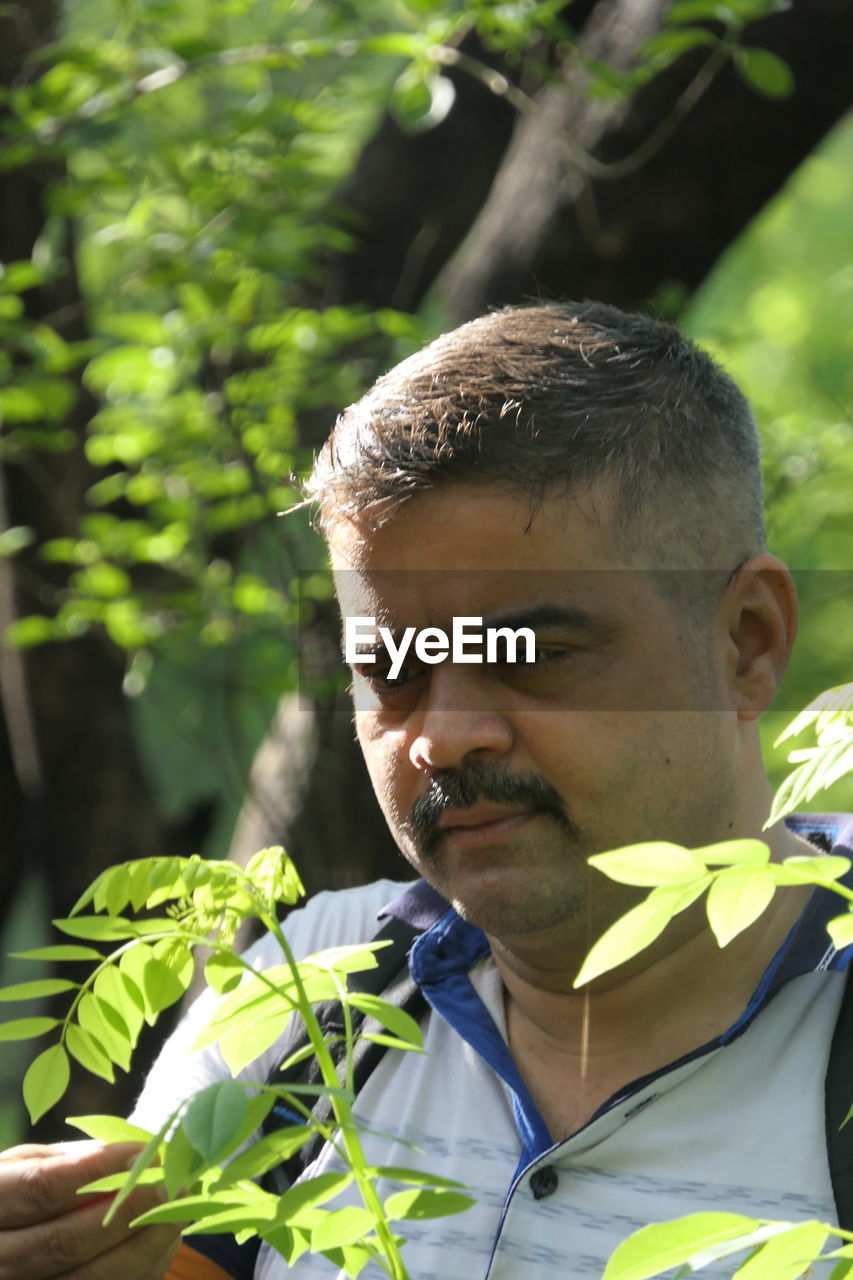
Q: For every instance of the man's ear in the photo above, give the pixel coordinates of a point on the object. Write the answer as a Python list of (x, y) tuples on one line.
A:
[(761, 617)]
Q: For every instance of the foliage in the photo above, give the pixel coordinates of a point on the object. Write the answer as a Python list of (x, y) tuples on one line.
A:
[(776, 312), (195, 170), (827, 762), (199, 1150)]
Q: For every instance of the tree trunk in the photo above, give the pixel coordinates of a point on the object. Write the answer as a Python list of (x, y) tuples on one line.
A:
[(74, 794)]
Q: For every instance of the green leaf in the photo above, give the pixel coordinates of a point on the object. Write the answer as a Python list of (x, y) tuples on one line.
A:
[(670, 1244), (825, 766), (737, 898), (26, 1028), (165, 881), (391, 1042), (242, 1043), (786, 1256), (83, 1046), (116, 988), (223, 973), (46, 1081), (231, 1220), (422, 1202), (311, 1192), (246, 1202), (343, 1226), (344, 960), (60, 952), (107, 1027), (813, 870), (638, 928), (415, 1177), (98, 928), (213, 1117), (162, 987), (273, 872), (648, 865), (266, 1153), (109, 1129), (765, 71), (36, 990), (735, 853), (837, 701), (840, 930), (148, 1177), (182, 1164), (140, 1171), (390, 1015)]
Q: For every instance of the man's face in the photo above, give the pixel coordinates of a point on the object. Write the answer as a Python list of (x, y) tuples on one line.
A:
[(499, 780)]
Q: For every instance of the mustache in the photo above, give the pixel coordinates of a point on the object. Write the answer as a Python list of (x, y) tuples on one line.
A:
[(482, 783)]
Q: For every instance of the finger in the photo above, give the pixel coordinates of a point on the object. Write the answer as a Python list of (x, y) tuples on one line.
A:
[(73, 1242), (147, 1255), (40, 1183)]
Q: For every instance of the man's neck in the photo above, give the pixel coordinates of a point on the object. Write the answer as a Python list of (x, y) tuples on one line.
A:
[(576, 1048)]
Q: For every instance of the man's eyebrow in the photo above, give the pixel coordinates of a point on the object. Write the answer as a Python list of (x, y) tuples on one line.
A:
[(540, 616)]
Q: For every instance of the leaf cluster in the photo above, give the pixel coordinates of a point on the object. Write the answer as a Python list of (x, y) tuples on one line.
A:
[(203, 1155)]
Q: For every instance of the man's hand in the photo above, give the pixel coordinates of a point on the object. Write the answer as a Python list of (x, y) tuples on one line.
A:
[(47, 1230)]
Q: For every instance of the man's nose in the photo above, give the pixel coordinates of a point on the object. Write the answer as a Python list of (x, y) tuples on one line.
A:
[(458, 722)]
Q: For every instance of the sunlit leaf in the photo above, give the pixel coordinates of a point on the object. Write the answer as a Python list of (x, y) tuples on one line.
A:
[(638, 928), (270, 1150), (26, 1028), (737, 898), (786, 1256), (223, 973), (343, 1226), (648, 865), (735, 853), (390, 1015), (59, 952), (98, 928), (109, 1129), (36, 990), (840, 930), (311, 1192), (663, 1245), (46, 1081), (83, 1046), (424, 1202)]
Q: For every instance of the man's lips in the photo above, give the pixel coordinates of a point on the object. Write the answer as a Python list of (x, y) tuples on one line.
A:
[(481, 825), (478, 815)]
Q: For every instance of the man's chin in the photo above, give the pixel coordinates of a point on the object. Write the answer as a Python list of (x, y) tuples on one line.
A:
[(505, 906)]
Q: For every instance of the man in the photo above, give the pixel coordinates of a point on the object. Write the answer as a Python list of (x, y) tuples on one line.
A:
[(592, 478)]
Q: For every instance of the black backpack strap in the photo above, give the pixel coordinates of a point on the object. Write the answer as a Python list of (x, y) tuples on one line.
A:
[(392, 981), (839, 1099)]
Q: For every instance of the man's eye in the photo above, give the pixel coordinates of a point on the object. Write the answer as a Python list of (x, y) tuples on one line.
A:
[(547, 653), (378, 675), (542, 654)]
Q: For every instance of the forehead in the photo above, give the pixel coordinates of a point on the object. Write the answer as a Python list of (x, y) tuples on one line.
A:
[(463, 550), (467, 527)]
